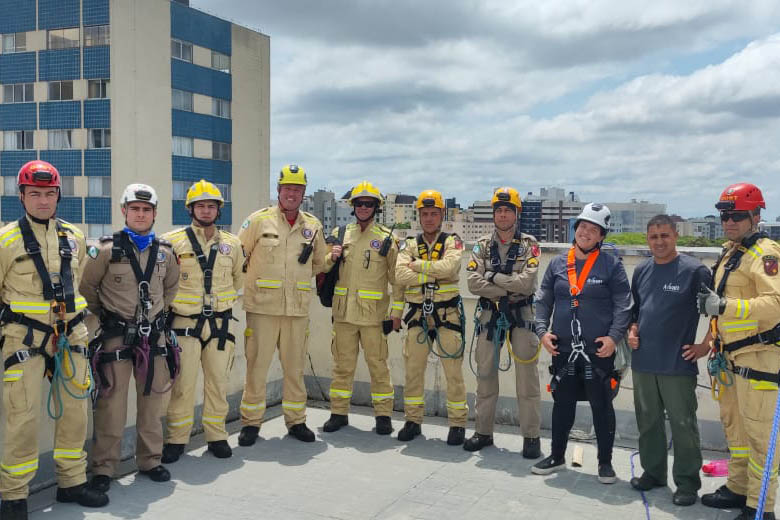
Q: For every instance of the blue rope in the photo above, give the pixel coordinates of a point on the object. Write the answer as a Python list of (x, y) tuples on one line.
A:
[(58, 379), (770, 455), (644, 498)]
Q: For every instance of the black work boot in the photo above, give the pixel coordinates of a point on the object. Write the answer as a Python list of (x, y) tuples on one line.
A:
[(335, 423), (410, 430), (172, 452), (723, 498), (83, 494), (157, 473), (302, 432), (748, 513), (13, 509), (220, 449), (100, 483), (478, 441), (383, 425), (646, 482), (532, 448), (248, 435), (456, 436)]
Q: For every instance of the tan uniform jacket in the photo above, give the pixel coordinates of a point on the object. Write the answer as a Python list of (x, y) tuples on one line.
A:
[(752, 294), (361, 295), (413, 272), (21, 287), (227, 278), (276, 283), (113, 287)]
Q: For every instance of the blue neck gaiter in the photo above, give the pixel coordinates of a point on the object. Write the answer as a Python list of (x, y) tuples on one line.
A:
[(140, 241)]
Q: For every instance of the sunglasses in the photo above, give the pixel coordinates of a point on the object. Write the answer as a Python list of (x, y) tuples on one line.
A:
[(364, 204), (735, 216)]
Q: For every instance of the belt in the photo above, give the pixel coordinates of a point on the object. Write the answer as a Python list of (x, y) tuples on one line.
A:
[(222, 333), (768, 337), (437, 320), (8, 316), (749, 373)]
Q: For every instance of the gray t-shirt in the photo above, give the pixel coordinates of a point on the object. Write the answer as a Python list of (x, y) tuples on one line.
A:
[(665, 308)]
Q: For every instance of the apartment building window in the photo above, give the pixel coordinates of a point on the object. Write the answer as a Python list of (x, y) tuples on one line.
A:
[(14, 42), (220, 107), (9, 186), (182, 146), (19, 140), (181, 50), (98, 88), (99, 138), (99, 230), (97, 35), (60, 90), (220, 61), (63, 38), (67, 186), (181, 100), (60, 140), (99, 187), (224, 189), (180, 190), (220, 151), (18, 93)]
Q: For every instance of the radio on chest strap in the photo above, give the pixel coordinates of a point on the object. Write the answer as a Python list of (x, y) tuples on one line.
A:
[(515, 250)]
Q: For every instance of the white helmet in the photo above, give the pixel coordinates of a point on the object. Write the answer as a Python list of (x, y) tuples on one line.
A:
[(596, 214), (139, 193)]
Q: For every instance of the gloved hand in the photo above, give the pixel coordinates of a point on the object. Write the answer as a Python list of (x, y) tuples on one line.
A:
[(709, 303)]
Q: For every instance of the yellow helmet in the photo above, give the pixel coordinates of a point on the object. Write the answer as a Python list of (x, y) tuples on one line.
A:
[(430, 199), (366, 189), (203, 190), (292, 174), (507, 195)]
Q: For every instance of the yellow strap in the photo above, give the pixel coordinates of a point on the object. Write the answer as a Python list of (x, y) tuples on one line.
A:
[(31, 307)]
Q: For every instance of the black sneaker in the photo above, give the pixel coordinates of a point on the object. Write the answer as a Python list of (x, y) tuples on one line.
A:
[(478, 441), (723, 498), (171, 453), (83, 494), (410, 430), (220, 449), (383, 425), (684, 498), (157, 473), (607, 474), (100, 483), (748, 513), (248, 435), (646, 482), (456, 436), (548, 465), (532, 448), (302, 432), (335, 423), (13, 509)]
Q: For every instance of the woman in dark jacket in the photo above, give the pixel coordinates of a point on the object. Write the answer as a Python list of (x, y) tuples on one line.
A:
[(588, 296)]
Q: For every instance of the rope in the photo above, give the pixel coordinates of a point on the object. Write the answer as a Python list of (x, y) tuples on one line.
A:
[(770, 455), (502, 327), (720, 375), (644, 498), (64, 374), (524, 361)]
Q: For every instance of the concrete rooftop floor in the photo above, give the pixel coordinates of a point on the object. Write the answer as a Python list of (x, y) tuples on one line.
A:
[(356, 474)]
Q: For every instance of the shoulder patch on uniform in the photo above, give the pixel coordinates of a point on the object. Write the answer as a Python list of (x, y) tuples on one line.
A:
[(532, 262), (225, 249), (472, 266), (536, 250), (770, 265), (92, 251), (245, 224), (476, 249), (457, 240), (161, 257)]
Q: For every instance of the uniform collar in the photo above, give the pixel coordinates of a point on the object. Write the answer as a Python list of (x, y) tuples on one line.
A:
[(200, 234)]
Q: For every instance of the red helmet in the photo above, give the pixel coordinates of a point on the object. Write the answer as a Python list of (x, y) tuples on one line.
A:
[(742, 196), (40, 174)]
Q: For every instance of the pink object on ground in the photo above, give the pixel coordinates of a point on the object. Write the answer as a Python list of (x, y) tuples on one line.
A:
[(716, 468)]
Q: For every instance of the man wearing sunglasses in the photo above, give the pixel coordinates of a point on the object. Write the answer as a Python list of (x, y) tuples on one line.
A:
[(361, 302), (743, 306)]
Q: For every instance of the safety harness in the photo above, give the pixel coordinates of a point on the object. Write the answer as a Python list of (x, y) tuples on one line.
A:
[(58, 289), (576, 284), (717, 364), (207, 313), (140, 336)]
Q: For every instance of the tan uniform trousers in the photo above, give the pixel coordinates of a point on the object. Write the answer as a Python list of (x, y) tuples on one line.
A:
[(747, 414), (416, 356), (21, 423), (347, 339), (525, 346), (288, 334), (111, 414), (216, 365)]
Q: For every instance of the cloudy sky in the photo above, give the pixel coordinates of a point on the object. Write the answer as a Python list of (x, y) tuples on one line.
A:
[(666, 101)]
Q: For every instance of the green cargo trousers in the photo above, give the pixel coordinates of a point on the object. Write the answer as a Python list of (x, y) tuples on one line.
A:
[(654, 394)]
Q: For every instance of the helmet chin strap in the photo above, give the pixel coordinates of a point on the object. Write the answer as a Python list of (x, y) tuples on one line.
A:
[(589, 251), (202, 223)]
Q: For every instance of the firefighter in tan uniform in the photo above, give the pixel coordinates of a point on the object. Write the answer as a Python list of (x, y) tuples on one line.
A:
[(744, 305), (361, 302), (129, 282), (211, 264), (428, 266), (502, 272), (42, 318), (285, 249)]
